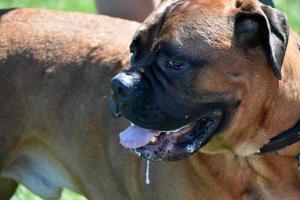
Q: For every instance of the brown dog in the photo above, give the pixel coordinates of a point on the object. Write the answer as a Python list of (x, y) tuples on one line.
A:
[(221, 73), (56, 130)]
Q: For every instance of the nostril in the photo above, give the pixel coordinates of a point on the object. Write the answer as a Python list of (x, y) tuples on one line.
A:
[(123, 90), (122, 85)]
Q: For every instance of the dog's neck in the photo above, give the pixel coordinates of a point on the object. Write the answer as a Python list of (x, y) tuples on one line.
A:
[(285, 139), (284, 110)]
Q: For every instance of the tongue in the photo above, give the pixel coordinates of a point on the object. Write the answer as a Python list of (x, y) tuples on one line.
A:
[(134, 137)]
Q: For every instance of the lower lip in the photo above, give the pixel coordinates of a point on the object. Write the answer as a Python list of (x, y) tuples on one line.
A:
[(169, 151)]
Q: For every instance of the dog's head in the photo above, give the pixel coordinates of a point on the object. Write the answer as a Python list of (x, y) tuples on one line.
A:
[(201, 70)]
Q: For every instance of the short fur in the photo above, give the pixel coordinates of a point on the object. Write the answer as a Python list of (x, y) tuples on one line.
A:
[(56, 130)]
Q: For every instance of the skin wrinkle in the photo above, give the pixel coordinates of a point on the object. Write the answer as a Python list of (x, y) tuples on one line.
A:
[(193, 31)]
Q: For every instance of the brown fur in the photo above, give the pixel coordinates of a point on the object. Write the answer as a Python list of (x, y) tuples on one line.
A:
[(54, 83)]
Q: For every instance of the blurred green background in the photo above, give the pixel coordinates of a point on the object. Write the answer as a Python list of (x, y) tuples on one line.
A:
[(290, 7), (67, 5)]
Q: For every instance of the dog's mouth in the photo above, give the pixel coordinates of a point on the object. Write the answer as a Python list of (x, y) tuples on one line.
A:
[(171, 145)]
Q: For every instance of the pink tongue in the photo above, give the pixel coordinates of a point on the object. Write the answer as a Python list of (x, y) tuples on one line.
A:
[(134, 137)]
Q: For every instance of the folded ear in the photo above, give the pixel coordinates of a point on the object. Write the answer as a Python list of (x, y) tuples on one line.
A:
[(260, 24), (267, 2)]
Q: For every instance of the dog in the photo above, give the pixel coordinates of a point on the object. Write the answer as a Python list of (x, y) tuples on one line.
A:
[(222, 78), (57, 132)]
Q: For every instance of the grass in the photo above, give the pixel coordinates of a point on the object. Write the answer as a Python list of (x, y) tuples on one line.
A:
[(23, 194), (291, 7), (87, 6), (288, 6)]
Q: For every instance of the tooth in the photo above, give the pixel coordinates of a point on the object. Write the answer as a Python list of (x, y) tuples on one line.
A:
[(153, 139), (138, 153), (190, 148)]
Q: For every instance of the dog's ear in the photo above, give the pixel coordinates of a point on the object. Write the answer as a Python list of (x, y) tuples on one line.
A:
[(267, 2), (260, 24), (145, 36)]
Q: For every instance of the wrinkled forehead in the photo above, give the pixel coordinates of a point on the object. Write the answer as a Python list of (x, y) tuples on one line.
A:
[(188, 26), (198, 27)]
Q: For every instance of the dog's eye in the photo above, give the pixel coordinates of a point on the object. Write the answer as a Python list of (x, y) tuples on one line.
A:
[(175, 64)]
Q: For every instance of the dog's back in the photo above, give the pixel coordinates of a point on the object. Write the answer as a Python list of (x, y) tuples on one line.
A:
[(55, 70)]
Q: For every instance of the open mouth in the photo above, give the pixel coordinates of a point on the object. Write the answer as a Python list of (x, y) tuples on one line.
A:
[(172, 145)]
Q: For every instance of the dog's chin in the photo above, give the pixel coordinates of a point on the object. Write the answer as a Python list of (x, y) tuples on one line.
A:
[(176, 144)]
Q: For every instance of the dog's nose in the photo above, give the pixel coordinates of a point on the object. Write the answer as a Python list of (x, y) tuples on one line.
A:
[(124, 84)]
